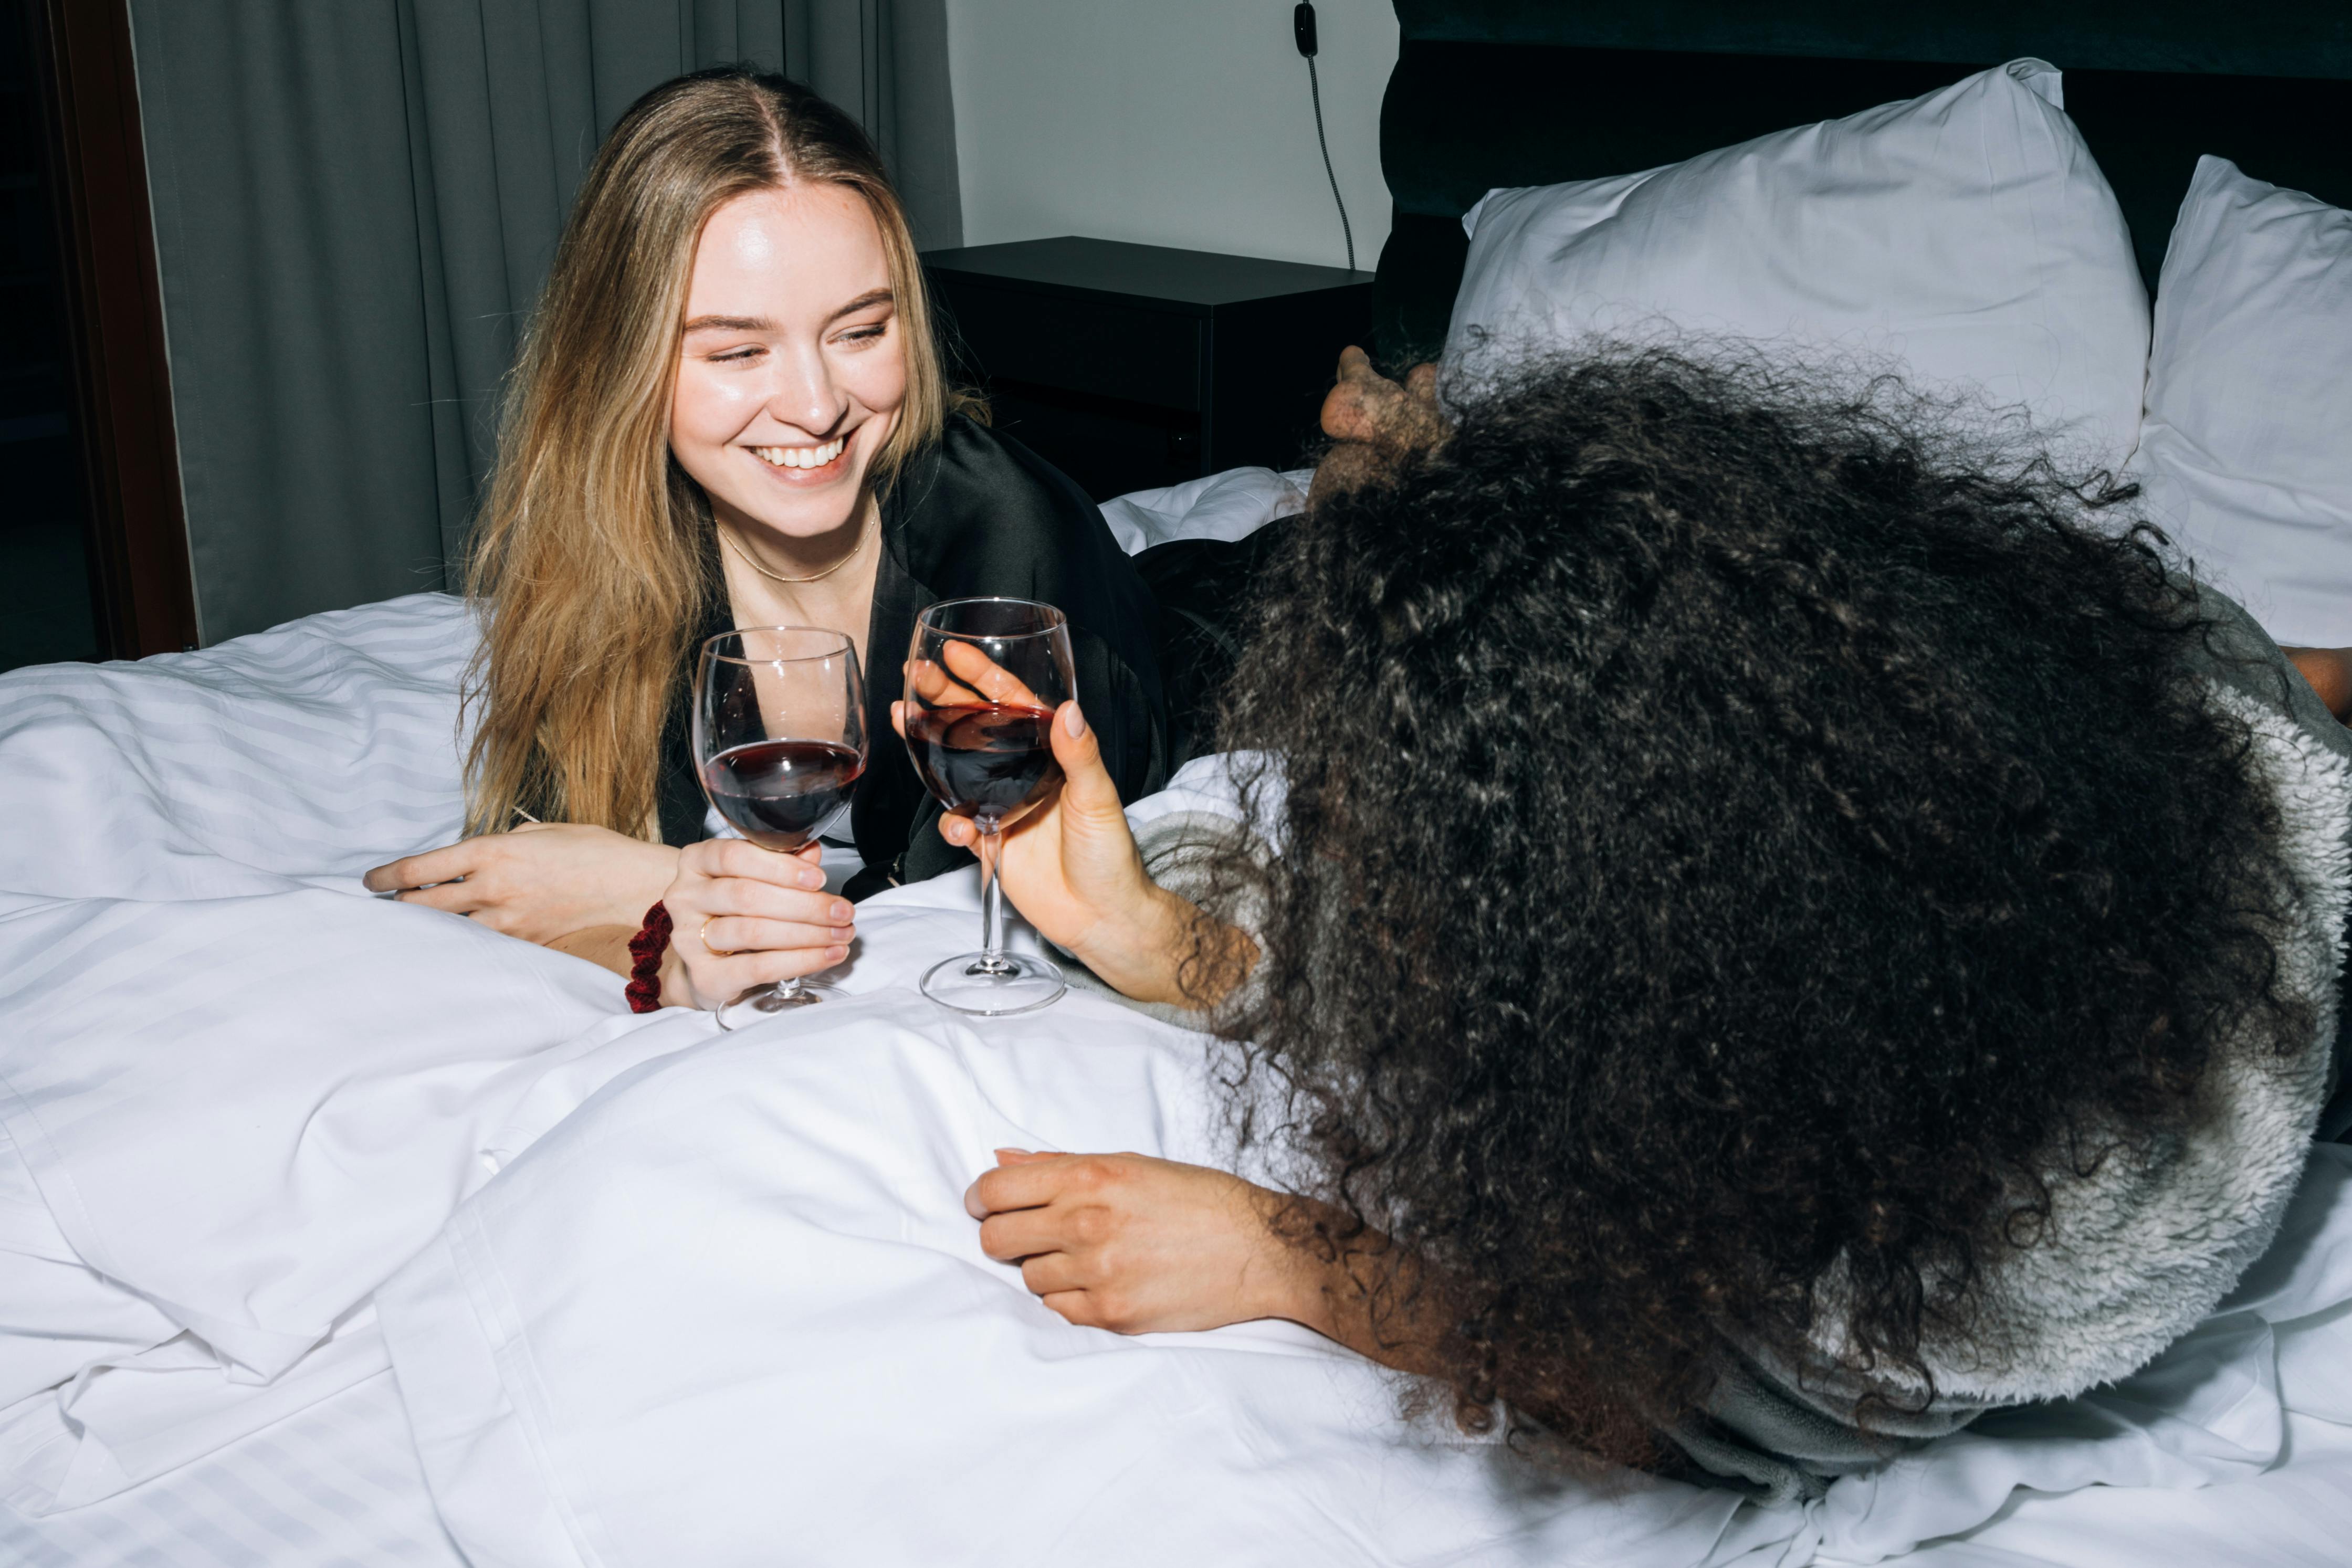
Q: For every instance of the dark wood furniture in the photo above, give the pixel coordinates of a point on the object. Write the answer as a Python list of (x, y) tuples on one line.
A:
[(1130, 366), (141, 589)]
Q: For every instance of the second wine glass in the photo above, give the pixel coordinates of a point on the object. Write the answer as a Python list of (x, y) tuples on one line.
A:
[(984, 679), (780, 743)]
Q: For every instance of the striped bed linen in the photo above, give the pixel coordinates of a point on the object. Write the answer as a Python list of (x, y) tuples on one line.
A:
[(335, 1486), (328, 744), (338, 1485)]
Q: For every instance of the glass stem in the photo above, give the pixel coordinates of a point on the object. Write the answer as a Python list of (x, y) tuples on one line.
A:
[(991, 904), (789, 987)]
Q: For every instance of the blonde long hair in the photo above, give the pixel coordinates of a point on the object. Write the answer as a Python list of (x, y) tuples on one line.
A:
[(589, 559)]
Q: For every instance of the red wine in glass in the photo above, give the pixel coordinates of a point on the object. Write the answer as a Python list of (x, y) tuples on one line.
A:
[(777, 793), (984, 678), (779, 742), (987, 761)]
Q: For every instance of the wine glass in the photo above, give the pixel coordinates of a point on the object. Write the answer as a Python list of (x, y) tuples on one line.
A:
[(779, 744), (984, 679)]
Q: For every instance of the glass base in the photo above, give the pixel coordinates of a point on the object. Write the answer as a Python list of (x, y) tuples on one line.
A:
[(1014, 983), (766, 1001)]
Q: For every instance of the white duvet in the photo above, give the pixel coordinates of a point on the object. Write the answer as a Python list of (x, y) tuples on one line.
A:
[(659, 1295)]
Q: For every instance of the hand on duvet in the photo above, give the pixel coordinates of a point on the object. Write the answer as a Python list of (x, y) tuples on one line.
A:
[(541, 881), (1139, 1245)]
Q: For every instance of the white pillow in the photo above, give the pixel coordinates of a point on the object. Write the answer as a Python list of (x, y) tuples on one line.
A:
[(1966, 236), (2246, 451), (1227, 506)]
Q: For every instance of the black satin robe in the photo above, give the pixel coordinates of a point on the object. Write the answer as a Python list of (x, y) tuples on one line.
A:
[(978, 515)]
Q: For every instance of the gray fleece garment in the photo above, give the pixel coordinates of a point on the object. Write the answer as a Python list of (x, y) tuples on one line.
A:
[(2142, 1249)]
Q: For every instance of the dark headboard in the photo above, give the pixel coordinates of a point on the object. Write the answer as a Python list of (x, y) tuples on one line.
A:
[(1531, 92)]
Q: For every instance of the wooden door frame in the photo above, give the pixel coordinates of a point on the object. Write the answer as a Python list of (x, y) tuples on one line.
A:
[(143, 595)]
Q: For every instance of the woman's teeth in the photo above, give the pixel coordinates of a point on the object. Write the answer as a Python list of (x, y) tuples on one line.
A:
[(801, 456)]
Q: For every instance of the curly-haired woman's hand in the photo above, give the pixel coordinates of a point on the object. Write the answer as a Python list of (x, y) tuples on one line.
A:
[(1139, 1245), (1070, 866)]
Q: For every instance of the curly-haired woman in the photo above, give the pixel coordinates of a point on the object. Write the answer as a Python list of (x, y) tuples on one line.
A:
[(730, 411), (1784, 937)]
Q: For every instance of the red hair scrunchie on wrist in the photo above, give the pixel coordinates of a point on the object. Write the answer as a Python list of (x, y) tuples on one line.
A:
[(645, 950)]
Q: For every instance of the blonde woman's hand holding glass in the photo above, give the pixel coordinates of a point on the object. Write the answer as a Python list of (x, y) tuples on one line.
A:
[(584, 890), (742, 917)]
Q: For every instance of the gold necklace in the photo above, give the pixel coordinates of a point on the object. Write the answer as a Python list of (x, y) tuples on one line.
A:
[(744, 555)]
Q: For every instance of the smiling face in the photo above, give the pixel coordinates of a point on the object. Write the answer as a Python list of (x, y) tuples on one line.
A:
[(793, 370)]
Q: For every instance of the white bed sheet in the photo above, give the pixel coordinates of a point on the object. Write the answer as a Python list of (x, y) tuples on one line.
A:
[(216, 1045), (338, 1485), (333, 1486), (736, 1295), (187, 802)]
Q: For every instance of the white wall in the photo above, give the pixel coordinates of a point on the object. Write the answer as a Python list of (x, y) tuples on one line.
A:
[(1177, 122)]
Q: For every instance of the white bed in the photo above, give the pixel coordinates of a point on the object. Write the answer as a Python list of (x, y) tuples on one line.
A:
[(333, 1486), (338, 1485), (379, 1238), (136, 787)]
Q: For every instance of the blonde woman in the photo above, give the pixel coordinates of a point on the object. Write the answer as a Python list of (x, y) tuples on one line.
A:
[(730, 411)]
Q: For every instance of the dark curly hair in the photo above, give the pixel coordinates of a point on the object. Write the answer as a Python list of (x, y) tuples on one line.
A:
[(1732, 827)]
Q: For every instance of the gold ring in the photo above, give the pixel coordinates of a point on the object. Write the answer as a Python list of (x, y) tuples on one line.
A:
[(702, 935)]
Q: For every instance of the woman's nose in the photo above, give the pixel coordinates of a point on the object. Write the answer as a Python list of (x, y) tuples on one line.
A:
[(804, 393)]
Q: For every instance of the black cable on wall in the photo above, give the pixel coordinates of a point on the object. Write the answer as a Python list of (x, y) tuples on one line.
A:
[(1302, 29)]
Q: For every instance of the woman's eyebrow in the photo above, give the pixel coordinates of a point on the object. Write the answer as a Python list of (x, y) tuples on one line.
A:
[(866, 300)]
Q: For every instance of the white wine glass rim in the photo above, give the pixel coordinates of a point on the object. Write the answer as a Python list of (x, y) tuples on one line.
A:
[(1050, 619), (838, 643)]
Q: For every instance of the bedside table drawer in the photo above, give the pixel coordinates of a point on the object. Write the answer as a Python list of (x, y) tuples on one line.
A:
[(1083, 345)]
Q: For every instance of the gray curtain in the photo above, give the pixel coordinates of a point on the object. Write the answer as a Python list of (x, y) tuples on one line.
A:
[(355, 204)]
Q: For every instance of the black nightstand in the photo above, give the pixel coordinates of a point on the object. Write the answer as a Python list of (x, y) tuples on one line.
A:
[(1130, 366)]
